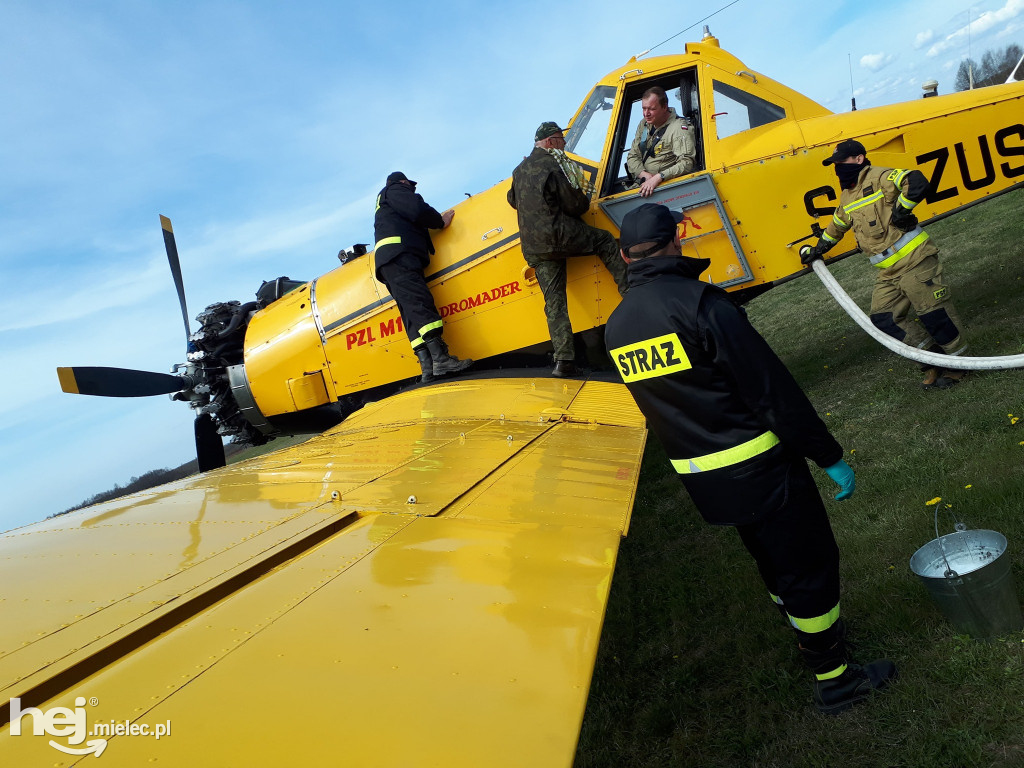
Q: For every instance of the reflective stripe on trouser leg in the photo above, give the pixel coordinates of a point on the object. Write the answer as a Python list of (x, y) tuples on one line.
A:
[(798, 559), (404, 278), (429, 328)]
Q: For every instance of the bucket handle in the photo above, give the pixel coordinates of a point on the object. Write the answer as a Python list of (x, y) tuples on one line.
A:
[(959, 526)]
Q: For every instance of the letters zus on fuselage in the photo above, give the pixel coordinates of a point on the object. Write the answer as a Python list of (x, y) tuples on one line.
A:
[(1008, 144), (361, 336)]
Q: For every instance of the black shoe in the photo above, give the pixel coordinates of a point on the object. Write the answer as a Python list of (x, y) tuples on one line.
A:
[(444, 363), (564, 369), (426, 364), (855, 685), (948, 379)]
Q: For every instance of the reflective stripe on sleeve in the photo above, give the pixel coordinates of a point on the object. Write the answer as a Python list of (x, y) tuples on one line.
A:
[(902, 247), (728, 457), (897, 176), (906, 202), (387, 241)]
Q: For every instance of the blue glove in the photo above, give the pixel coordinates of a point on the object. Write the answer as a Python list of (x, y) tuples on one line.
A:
[(842, 475)]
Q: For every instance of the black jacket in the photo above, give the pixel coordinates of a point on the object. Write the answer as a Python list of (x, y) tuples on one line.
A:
[(708, 382), (403, 214)]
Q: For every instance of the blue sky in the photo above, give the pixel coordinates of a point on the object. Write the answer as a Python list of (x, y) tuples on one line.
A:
[(264, 130)]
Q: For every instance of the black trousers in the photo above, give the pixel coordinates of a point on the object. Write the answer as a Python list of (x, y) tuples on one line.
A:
[(798, 558), (404, 278)]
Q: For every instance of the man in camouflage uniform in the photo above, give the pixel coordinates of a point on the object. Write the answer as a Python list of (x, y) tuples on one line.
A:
[(663, 147), (549, 193), (877, 203)]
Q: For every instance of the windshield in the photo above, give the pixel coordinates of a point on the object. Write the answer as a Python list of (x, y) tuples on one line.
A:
[(586, 136)]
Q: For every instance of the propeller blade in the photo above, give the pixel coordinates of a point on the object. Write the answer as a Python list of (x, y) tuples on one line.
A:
[(209, 446), (119, 382), (172, 258)]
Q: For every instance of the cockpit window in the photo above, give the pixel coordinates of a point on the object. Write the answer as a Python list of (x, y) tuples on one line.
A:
[(586, 136), (737, 111)]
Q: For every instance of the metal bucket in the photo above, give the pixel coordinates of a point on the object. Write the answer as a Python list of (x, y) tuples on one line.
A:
[(968, 575)]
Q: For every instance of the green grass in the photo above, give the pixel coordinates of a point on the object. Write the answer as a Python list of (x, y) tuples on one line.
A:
[(696, 667)]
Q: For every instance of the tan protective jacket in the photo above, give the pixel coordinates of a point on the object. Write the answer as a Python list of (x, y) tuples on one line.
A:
[(867, 209), (673, 155)]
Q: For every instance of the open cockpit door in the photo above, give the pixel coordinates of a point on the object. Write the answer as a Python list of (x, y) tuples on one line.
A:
[(705, 232)]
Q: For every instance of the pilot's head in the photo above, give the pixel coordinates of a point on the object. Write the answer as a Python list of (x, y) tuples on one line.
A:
[(654, 103), (649, 230), (549, 136)]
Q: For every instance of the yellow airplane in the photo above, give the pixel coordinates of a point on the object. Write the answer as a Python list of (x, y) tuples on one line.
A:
[(425, 582)]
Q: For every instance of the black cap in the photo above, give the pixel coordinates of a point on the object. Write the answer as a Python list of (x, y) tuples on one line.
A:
[(844, 150), (398, 176), (650, 223), (544, 130)]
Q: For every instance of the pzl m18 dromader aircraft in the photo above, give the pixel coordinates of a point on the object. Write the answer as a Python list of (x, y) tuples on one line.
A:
[(425, 582)]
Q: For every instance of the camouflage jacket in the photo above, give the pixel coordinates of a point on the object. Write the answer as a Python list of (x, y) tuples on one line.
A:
[(672, 155), (549, 207)]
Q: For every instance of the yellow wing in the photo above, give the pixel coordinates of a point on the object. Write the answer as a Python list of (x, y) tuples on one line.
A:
[(423, 585)]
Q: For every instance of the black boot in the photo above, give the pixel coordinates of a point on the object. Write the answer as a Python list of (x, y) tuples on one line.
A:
[(564, 369), (852, 686), (444, 362), (426, 363)]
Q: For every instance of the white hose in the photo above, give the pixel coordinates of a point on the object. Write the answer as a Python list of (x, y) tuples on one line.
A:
[(918, 355)]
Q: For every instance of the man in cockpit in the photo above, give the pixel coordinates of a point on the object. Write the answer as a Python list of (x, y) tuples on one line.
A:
[(663, 148)]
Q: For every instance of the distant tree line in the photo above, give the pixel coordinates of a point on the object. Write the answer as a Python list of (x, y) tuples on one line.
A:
[(994, 68), (150, 479)]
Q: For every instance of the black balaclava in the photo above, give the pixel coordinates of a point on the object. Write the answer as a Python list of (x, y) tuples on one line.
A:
[(848, 173)]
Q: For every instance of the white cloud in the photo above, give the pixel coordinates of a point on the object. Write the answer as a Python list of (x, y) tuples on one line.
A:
[(923, 38), (877, 61), (979, 26)]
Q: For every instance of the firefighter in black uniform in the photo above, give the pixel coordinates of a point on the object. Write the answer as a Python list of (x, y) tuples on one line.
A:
[(738, 430), (401, 253)]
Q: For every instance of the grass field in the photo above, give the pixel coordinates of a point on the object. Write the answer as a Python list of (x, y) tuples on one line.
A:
[(696, 668)]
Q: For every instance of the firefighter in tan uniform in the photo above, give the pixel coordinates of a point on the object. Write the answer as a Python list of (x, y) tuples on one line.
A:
[(877, 203), (663, 147)]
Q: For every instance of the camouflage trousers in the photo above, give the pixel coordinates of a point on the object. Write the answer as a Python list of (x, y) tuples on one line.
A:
[(915, 282), (551, 276)]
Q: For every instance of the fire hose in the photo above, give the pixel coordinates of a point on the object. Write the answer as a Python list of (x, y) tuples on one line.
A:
[(918, 355)]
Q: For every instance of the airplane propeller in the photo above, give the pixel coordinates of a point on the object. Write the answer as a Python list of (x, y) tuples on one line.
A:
[(120, 382), (127, 382)]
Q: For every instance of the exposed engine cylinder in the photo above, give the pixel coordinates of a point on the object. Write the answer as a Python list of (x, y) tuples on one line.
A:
[(215, 347)]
